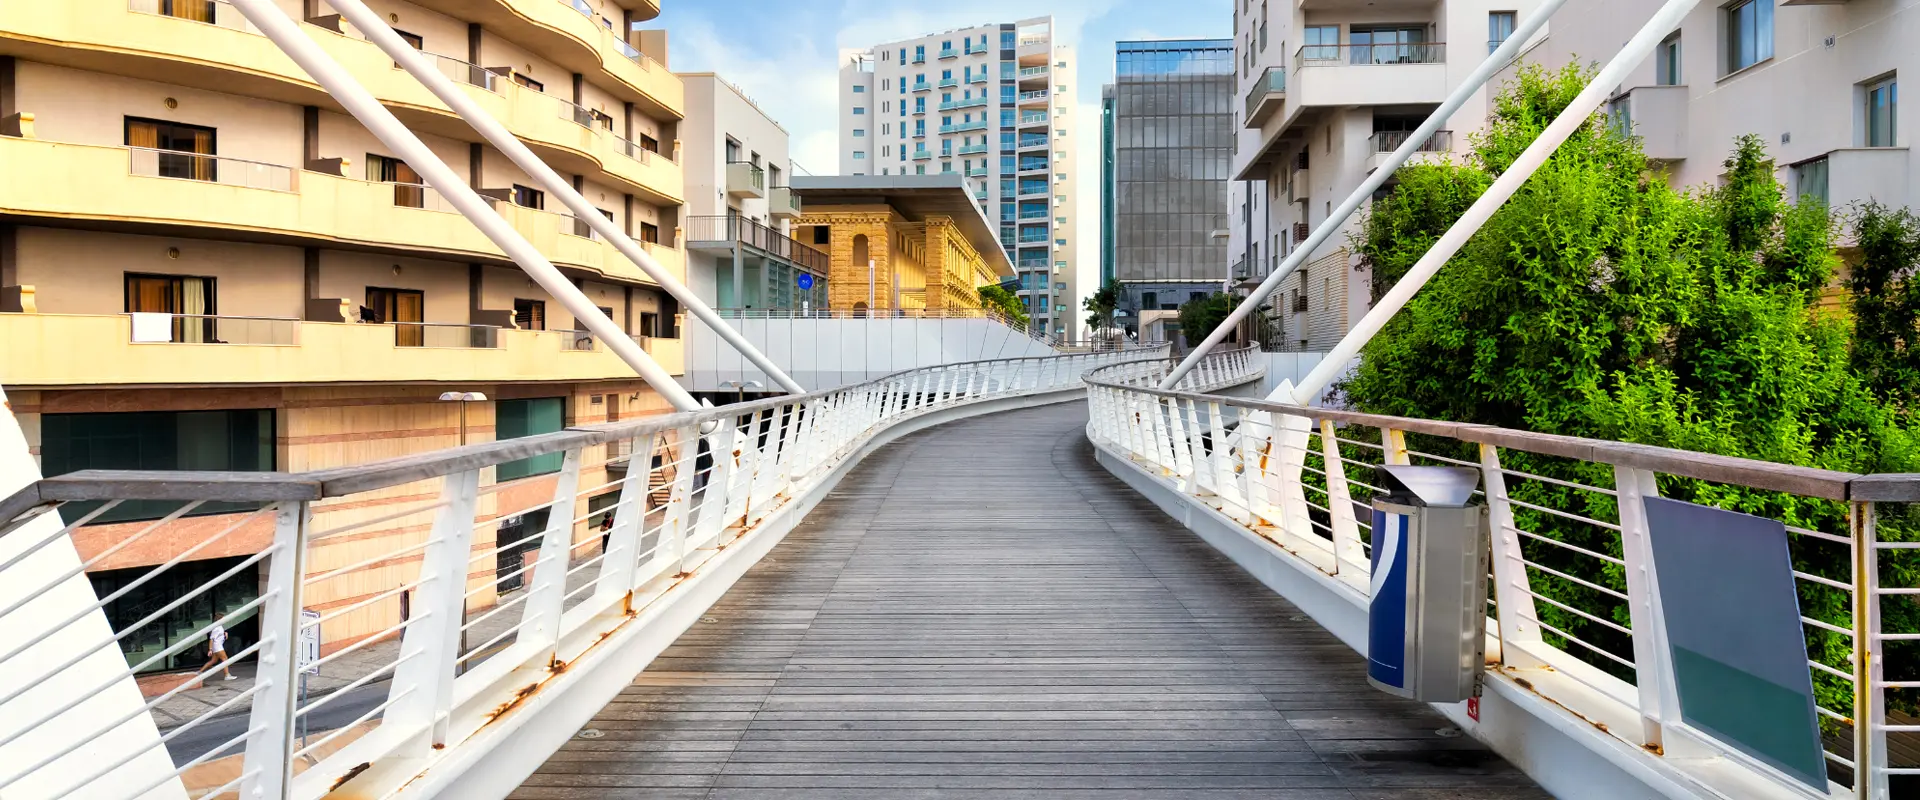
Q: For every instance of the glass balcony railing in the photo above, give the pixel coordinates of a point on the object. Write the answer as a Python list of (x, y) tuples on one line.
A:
[(923, 86), (977, 172), (965, 102), (1271, 85), (922, 155), (1029, 72), (1033, 141), (972, 149), (1314, 55), (949, 53), (1033, 119), (947, 83), (978, 77), (157, 163), (961, 127)]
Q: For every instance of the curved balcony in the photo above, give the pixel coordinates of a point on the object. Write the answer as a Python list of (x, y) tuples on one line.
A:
[(131, 189), (108, 36), (573, 36)]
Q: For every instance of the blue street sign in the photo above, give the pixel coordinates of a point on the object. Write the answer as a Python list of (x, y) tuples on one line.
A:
[(805, 281)]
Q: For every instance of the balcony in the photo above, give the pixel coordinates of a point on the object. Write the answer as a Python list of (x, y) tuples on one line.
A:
[(132, 38), (923, 86), (922, 155), (972, 149), (1367, 75), (1031, 141), (1033, 119), (963, 127), (919, 58), (1039, 214), (1032, 189), (1852, 176), (1382, 144), (948, 83), (1028, 164), (1267, 94), (783, 203), (1032, 72), (1658, 115), (1029, 98), (919, 111), (107, 349), (969, 102), (977, 172), (949, 53), (719, 233), (746, 180), (152, 191), (978, 77)]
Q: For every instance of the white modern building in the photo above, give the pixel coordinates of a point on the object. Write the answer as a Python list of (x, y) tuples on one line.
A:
[(992, 102), (1328, 89), (740, 206), (1817, 81)]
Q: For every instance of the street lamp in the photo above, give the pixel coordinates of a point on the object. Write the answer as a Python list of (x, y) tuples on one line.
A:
[(463, 398)]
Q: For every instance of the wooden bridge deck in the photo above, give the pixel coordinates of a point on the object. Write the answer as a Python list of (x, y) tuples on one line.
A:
[(982, 612)]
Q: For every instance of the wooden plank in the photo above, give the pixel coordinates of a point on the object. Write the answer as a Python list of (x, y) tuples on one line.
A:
[(983, 612)]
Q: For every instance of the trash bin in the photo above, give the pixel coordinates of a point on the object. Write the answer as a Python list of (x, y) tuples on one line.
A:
[(1426, 625)]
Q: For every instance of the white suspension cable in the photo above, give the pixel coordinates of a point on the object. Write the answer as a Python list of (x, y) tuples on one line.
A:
[(415, 62), (285, 33), (1469, 87)]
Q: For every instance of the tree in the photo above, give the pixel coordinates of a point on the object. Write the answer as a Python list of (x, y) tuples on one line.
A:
[(1886, 303), (1599, 302), (1005, 302), (1100, 306), (1200, 315)]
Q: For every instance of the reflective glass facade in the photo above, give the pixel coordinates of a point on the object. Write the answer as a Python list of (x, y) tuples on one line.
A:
[(1172, 142)]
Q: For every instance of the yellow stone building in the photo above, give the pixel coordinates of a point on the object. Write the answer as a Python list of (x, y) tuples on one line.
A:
[(909, 242)]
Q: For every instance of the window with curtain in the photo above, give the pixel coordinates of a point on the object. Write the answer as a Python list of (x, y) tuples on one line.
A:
[(529, 197), (187, 150), (186, 295), (410, 191), (1666, 65), (529, 82), (530, 315), (649, 233), (1499, 29), (1810, 181), (196, 10), (514, 419), (398, 307), (1883, 107), (1749, 33)]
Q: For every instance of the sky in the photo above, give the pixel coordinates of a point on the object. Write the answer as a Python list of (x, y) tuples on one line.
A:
[(786, 56)]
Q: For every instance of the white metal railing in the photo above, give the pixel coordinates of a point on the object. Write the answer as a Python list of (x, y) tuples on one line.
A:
[(903, 313), (1567, 542), (211, 12), (453, 592), (156, 163)]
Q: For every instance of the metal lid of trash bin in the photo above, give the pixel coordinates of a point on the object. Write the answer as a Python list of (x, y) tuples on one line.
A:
[(1428, 486)]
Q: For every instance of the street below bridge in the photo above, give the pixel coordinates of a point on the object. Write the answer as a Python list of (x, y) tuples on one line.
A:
[(981, 611)]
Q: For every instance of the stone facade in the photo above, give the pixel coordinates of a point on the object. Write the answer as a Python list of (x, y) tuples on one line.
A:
[(916, 265)]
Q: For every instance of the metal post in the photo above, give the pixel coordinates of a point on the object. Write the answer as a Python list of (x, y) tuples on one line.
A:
[(422, 687), (1651, 670), (404, 54), (269, 751), (275, 24), (547, 587), (1468, 88), (1869, 693), (1513, 603)]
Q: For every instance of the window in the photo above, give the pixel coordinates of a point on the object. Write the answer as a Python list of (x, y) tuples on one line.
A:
[(1883, 106), (1322, 43), (859, 89), (236, 440), (733, 150), (886, 83), (649, 143), (188, 147), (1389, 44), (649, 233), (1499, 28), (886, 128), (859, 111), (397, 307), (411, 191), (886, 150), (1666, 64), (919, 53), (175, 294), (859, 155), (919, 105), (1749, 33), (529, 197), (859, 133), (514, 419), (529, 83), (530, 315), (919, 169), (886, 106)]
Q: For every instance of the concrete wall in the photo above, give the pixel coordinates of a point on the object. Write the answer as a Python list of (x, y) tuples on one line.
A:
[(825, 353)]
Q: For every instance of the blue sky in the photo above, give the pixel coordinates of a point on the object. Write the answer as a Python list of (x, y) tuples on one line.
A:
[(786, 56)]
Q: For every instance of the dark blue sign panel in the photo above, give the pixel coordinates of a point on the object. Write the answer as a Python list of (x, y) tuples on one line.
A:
[(1387, 611), (805, 281), (1734, 633)]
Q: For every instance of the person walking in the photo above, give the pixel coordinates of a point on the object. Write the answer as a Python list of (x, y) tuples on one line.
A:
[(217, 651)]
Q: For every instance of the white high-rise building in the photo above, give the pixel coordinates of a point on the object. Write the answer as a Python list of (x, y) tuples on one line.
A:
[(995, 103), (1328, 89)]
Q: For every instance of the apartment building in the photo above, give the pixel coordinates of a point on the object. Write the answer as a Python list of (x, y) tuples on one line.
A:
[(207, 265), (741, 206), (1327, 90), (995, 104), (1818, 82), (1171, 138)]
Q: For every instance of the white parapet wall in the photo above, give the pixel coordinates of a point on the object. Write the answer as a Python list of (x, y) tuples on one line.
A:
[(824, 353)]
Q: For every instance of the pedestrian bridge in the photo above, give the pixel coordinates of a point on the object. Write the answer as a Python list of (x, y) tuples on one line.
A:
[(1034, 577)]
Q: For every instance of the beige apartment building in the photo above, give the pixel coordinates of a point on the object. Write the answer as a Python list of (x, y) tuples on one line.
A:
[(206, 264)]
